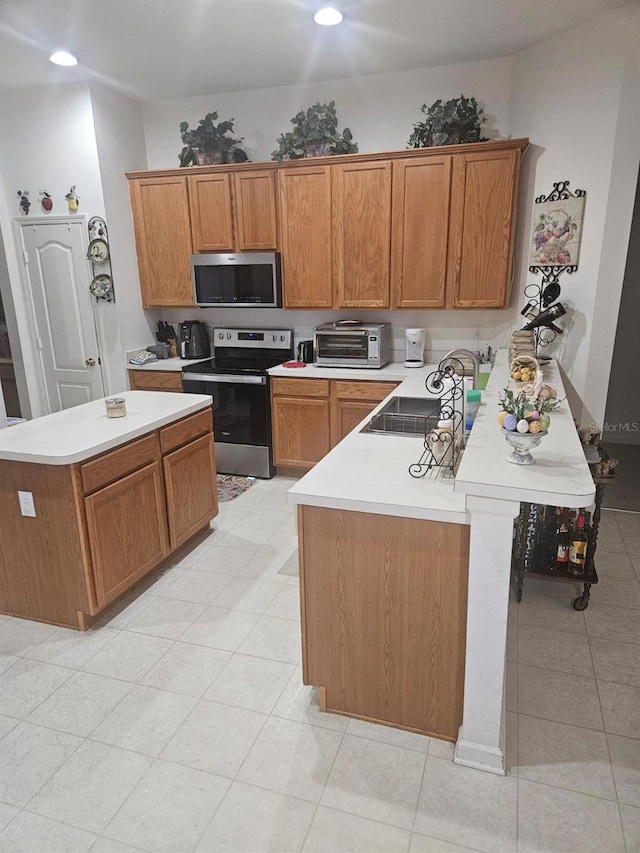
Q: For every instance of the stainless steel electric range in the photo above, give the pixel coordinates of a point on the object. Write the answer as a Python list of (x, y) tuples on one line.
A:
[(236, 377)]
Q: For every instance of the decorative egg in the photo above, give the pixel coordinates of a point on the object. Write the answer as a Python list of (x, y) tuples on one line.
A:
[(545, 422), (535, 427), (510, 422), (523, 425), (501, 418), (534, 415)]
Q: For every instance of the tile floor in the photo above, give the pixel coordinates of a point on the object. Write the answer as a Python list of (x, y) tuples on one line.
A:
[(180, 723)]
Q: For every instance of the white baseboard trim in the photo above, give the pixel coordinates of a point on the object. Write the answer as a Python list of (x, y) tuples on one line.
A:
[(480, 757)]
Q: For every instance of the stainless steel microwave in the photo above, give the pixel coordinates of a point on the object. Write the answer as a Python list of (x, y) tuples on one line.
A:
[(237, 279), (349, 343)]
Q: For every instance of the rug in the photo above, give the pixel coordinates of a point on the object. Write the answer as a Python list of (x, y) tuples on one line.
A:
[(230, 486), (290, 568)]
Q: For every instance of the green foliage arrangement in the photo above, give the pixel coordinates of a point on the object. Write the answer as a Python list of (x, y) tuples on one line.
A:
[(210, 143), (449, 123), (315, 133)]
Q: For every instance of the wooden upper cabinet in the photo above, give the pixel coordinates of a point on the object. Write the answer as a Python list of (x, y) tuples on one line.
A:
[(419, 231), (362, 233), (255, 210), (211, 212), (304, 197), (163, 240), (482, 217)]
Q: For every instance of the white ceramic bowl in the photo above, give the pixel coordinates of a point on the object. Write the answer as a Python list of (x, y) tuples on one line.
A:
[(522, 443)]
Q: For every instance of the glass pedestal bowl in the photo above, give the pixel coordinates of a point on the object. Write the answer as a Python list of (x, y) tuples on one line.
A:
[(522, 443)]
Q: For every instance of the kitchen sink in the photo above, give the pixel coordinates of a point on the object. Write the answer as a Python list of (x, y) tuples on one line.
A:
[(405, 416)]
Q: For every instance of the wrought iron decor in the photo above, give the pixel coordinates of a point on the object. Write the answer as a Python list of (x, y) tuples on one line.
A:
[(443, 445), (554, 230), (99, 256)]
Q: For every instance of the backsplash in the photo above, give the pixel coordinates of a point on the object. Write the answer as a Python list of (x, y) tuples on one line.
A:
[(445, 330)]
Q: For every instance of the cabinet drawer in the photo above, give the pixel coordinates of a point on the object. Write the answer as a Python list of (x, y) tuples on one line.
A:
[(185, 430), (118, 463), (155, 380), (365, 390), (300, 387)]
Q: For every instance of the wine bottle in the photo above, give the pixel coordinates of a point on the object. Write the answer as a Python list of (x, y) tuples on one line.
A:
[(578, 548), (562, 546), (554, 523)]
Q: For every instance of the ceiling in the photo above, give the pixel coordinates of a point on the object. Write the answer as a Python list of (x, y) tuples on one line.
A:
[(156, 49)]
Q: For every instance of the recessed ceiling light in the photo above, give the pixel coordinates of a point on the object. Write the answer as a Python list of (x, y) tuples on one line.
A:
[(61, 57), (327, 16)]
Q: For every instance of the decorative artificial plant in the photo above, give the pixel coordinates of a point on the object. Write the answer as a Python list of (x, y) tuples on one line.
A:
[(449, 123), (210, 143), (315, 134)]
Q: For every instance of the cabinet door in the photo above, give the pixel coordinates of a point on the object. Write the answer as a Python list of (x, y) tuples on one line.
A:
[(419, 232), (127, 528), (190, 483), (211, 217), (352, 401), (163, 240), (255, 209), (300, 431), (481, 229), (362, 233), (304, 196)]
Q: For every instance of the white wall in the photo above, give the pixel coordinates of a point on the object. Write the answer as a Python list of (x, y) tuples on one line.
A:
[(47, 142), (576, 98), (121, 148), (380, 110)]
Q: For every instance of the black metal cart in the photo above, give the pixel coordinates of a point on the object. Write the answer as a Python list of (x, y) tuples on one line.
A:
[(527, 557)]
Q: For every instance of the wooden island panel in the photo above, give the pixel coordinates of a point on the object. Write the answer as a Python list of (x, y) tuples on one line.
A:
[(383, 602)]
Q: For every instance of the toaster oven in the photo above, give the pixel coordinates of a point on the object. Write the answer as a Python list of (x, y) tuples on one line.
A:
[(349, 343)]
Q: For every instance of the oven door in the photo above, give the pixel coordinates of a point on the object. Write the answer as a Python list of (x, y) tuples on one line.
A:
[(343, 348), (241, 421)]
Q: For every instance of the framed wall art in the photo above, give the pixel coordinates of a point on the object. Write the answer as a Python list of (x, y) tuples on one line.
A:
[(557, 227)]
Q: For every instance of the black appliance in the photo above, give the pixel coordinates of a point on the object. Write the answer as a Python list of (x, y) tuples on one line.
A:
[(236, 377), (237, 280), (305, 352), (193, 340)]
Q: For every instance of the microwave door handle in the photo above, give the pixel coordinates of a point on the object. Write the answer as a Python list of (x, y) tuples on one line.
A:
[(223, 377)]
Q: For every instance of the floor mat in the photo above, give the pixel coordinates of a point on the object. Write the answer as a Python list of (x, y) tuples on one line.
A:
[(290, 568), (624, 490), (230, 486)]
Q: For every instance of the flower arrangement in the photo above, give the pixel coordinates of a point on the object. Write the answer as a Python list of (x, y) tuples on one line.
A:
[(529, 410)]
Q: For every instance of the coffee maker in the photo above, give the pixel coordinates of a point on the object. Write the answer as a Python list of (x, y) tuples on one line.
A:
[(414, 342), (193, 340)]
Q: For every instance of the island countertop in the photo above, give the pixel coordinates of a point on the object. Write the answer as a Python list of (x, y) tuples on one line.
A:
[(369, 473), (76, 434)]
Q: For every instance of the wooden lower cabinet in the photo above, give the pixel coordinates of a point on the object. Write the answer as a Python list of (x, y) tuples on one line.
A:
[(104, 523), (188, 475), (127, 527), (311, 416), (383, 602), (155, 380)]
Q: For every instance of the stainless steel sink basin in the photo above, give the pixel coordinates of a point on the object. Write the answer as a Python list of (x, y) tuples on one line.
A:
[(405, 416)]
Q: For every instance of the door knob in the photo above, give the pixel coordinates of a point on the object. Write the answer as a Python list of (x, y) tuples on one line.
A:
[(90, 362)]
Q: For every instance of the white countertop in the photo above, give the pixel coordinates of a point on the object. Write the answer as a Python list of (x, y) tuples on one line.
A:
[(393, 372), (167, 364), (76, 434), (560, 475), (369, 472)]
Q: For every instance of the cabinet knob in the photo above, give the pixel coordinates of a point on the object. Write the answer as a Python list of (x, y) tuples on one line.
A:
[(90, 362)]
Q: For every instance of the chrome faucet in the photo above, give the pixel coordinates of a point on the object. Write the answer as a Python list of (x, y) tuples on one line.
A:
[(456, 353)]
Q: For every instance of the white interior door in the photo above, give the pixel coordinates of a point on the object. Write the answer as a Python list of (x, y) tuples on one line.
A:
[(58, 276)]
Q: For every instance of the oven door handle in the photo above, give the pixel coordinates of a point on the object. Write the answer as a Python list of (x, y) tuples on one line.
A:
[(238, 379)]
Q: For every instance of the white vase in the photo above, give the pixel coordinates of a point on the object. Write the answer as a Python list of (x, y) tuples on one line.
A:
[(522, 443)]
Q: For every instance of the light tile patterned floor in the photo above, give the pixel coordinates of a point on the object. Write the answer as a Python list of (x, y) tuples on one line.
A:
[(180, 723)]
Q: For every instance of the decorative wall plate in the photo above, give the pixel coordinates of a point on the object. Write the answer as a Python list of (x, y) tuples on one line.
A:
[(101, 286), (98, 251)]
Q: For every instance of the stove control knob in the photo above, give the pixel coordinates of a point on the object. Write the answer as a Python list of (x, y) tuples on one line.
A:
[(281, 337), (228, 336), (220, 335), (274, 337)]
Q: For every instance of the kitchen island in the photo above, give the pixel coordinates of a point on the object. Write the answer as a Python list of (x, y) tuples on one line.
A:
[(405, 582), (89, 504)]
